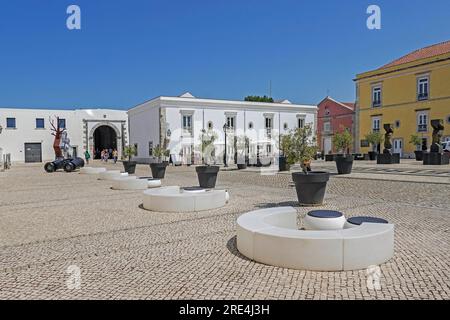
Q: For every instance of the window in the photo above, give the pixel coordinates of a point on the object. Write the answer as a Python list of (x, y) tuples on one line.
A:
[(210, 125), (187, 123), (285, 126), (11, 123), (376, 96), (40, 123), (376, 124), (269, 123), (301, 123), (62, 123), (230, 122), (423, 86), (150, 148), (422, 122), (250, 125), (327, 127)]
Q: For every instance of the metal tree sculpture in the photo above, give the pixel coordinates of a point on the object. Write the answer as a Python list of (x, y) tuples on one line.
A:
[(57, 133)]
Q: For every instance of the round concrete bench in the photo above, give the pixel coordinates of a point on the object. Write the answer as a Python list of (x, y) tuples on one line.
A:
[(354, 222), (271, 236), (111, 175), (173, 199), (91, 170), (134, 183), (324, 220)]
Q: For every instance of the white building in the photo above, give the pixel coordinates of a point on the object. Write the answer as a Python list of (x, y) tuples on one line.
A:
[(182, 120), (26, 133)]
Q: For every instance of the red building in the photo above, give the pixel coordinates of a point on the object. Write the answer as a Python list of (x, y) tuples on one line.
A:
[(333, 116)]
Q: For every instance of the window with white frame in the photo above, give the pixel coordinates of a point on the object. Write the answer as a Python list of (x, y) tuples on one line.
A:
[(187, 123), (231, 122), (376, 124), (422, 122), (376, 96), (423, 87)]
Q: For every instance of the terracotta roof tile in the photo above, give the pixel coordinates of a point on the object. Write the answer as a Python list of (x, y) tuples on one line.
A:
[(427, 52)]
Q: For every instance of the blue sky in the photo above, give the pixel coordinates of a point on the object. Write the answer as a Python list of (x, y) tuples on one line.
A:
[(130, 51)]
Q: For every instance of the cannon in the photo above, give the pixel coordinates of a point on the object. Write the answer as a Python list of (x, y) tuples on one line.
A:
[(73, 164), (55, 165)]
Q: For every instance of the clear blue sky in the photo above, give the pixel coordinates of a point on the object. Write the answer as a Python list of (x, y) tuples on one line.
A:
[(130, 51)]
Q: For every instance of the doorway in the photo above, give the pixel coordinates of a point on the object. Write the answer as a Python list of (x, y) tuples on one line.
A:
[(398, 146), (33, 152), (105, 137)]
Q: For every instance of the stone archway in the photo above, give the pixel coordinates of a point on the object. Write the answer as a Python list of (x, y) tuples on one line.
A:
[(104, 136)]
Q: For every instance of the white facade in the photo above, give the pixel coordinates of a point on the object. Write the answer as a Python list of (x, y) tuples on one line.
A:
[(182, 119), (81, 125)]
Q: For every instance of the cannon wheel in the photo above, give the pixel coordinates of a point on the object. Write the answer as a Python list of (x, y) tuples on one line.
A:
[(49, 167), (69, 167)]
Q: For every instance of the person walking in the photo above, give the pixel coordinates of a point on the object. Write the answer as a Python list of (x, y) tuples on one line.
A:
[(87, 156), (115, 155)]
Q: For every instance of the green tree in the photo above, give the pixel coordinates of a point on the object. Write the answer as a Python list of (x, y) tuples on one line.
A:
[(259, 99), (374, 139), (415, 140), (342, 141), (300, 146)]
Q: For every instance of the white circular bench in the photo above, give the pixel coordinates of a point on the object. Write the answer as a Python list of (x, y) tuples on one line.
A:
[(173, 199), (91, 170), (134, 183), (111, 175), (271, 236)]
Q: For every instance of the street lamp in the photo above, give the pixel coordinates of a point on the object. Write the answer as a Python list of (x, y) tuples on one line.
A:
[(225, 164)]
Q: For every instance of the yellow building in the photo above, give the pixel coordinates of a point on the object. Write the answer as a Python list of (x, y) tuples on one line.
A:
[(407, 93)]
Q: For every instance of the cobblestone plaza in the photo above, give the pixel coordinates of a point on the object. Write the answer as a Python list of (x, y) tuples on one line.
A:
[(49, 222)]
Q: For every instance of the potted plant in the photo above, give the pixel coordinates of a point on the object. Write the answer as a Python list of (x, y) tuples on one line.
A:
[(416, 141), (242, 143), (286, 159), (159, 167), (207, 174), (374, 139), (128, 165), (342, 142), (310, 185)]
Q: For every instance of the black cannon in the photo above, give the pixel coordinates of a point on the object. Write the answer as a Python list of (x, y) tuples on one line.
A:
[(73, 164), (55, 165)]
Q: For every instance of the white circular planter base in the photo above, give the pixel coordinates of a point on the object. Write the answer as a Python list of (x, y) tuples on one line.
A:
[(175, 199), (134, 183), (111, 175), (271, 236), (92, 170)]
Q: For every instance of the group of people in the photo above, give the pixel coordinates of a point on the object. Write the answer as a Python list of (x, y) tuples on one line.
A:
[(104, 155)]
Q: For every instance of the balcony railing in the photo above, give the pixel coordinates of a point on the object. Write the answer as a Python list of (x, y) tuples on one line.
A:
[(422, 96), (422, 128)]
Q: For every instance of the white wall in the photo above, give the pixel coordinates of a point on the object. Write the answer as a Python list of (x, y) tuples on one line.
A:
[(144, 123), (13, 140)]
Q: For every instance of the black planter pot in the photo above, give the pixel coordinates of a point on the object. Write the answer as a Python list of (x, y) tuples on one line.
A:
[(283, 165), (344, 164), (419, 155), (242, 166), (373, 155), (158, 169), (310, 187), (207, 176), (129, 166)]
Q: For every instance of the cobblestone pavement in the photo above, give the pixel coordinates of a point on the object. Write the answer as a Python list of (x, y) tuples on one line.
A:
[(49, 222)]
